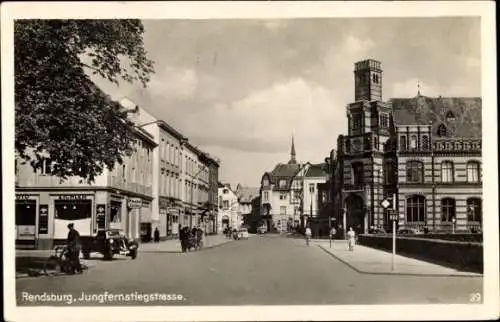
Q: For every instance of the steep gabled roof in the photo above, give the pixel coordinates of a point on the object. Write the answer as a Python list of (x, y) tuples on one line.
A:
[(460, 115), (316, 171)]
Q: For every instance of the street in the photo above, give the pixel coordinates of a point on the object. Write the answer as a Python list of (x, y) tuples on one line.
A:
[(263, 270)]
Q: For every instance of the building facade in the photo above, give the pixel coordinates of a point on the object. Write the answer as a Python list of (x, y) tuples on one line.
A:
[(213, 195), (246, 198), (229, 208), (426, 151), (117, 199)]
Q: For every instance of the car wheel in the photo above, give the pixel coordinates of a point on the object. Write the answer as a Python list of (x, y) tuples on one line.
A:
[(133, 254), (108, 254)]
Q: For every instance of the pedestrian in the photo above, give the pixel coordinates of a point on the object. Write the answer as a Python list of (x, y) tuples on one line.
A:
[(157, 235), (308, 235), (333, 232), (351, 236), (183, 239), (74, 247)]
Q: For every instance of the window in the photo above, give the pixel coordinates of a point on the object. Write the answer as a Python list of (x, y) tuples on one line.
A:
[(225, 191), (116, 211), (46, 167), (414, 171), (265, 182), (473, 171), (356, 122), (282, 183), (442, 130), (474, 209), (413, 142), (357, 173), (375, 78), (447, 171), (415, 209), (73, 210), (282, 196), (225, 204), (282, 210), (311, 187), (384, 121), (375, 142), (425, 142), (447, 209), (402, 142), (266, 195), (389, 173), (450, 116)]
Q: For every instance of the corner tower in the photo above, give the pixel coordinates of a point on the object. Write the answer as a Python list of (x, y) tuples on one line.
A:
[(368, 80)]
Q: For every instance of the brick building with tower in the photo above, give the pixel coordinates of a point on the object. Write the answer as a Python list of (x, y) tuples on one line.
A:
[(425, 150)]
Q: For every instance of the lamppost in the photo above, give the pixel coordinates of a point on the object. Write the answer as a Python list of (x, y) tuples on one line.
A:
[(453, 221), (191, 197)]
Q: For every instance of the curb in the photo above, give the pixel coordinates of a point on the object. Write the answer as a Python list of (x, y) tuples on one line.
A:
[(395, 273), (180, 252)]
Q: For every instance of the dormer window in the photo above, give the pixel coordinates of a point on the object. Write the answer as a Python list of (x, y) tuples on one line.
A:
[(356, 122), (442, 130), (282, 183), (450, 116), (265, 182)]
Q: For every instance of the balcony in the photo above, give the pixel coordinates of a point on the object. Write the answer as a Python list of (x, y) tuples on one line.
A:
[(354, 187)]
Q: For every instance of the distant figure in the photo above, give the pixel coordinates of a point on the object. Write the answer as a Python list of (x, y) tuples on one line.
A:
[(183, 237), (308, 235), (157, 235), (333, 232), (351, 237), (74, 247)]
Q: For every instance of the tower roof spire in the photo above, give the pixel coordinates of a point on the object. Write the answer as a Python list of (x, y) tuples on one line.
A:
[(292, 153)]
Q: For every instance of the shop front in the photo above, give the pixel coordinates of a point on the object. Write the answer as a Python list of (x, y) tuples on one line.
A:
[(146, 231), (26, 220)]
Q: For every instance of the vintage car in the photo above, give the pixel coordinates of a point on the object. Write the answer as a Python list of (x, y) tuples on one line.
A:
[(110, 242), (243, 233)]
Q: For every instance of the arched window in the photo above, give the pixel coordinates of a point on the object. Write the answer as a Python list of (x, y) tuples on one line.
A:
[(425, 142), (442, 130), (447, 171), (447, 209), (415, 209), (474, 209), (413, 142), (402, 142), (414, 171), (472, 171)]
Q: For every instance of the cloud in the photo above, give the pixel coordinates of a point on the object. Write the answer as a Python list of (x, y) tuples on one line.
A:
[(174, 82), (265, 120)]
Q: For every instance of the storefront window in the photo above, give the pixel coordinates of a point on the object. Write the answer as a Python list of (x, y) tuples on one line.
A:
[(26, 213), (73, 209), (116, 212)]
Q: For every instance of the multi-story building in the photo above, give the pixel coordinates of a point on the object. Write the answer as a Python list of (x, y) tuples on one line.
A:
[(425, 150), (246, 196), (121, 199), (229, 208), (213, 197), (277, 204), (195, 184)]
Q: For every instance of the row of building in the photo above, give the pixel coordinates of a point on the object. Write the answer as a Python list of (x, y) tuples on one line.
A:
[(422, 153), (165, 184)]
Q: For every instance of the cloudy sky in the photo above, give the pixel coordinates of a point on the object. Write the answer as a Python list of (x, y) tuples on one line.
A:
[(239, 89)]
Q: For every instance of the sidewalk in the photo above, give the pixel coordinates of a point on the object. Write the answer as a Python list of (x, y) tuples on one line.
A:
[(174, 245), (373, 261)]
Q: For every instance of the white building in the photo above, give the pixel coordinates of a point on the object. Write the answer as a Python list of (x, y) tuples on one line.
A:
[(229, 209), (314, 176)]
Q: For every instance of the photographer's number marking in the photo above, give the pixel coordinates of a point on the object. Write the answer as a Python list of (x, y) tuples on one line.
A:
[(475, 297)]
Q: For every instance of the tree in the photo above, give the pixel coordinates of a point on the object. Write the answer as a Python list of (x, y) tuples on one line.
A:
[(61, 116)]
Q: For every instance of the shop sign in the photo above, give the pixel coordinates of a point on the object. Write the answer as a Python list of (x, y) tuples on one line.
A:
[(23, 197), (73, 197), (101, 216), (43, 219), (135, 203), (173, 211)]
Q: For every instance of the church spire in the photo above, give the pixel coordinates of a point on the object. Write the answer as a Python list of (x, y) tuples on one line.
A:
[(292, 153)]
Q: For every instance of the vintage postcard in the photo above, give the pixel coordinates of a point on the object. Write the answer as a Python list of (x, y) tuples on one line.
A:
[(244, 161)]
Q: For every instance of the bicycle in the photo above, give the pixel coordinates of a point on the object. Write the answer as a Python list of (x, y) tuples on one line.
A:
[(60, 261)]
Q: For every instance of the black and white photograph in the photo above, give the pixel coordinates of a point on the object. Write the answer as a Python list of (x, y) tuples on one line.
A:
[(236, 161)]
